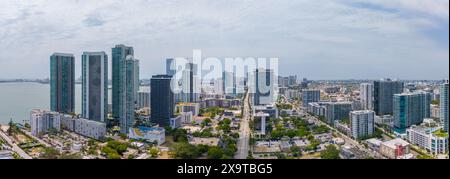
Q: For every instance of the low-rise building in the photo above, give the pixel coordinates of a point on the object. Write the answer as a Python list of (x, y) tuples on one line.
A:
[(374, 144), (395, 149), (317, 108), (220, 102), (175, 122), (266, 147), (268, 109), (433, 139), (149, 134), (346, 153), (43, 121), (84, 127), (212, 142), (260, 120), (189, 107), (342, 127), (186, 117)]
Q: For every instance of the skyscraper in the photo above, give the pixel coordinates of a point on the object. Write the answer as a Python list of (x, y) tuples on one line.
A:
[(310, 96), (336, 111), (384, 91), (119, 55), (265, 87), (131, 87), (143, 99), (229, 83), (410, 109), (95, 86), (362, 123), (366, 96), (171, 67), (162, 103), (62, 83), (444, 104), (292, 80), (190, 84), (125, 85)]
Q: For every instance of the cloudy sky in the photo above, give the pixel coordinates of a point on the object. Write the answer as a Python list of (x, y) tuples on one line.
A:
[(318, 39)]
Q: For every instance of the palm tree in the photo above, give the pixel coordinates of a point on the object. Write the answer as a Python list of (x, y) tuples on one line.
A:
[(11, 127)]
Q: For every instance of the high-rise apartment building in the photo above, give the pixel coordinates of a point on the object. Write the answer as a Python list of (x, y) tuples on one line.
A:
[(125, 85), (62, 83), (444, 104), (410, 109), (362, 124), (310, 96), (162, 103), (384, 91), (94, 86), (366, 96)]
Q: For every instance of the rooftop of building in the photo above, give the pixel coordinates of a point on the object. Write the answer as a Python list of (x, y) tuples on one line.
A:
[(63, 54), (94, 53), (262, 114), (149, 129), (395, 142), (362, 112), (374, 141)]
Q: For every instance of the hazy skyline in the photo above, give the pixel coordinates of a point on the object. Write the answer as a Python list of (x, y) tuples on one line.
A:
[(317, 39)]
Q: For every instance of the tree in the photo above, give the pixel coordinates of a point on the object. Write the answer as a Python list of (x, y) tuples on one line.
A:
[(75, 156), (119, 147), (435, 102), (180, 135), (291, 133), (185, 151), (114, 156), (330, 152), (215, 153), (49, 153), (280, 156), (423, 157), (11, 128), (296, 151), (250, 155), (154, 152)]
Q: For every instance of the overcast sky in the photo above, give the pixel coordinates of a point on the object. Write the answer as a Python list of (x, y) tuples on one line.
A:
[(317, 39)]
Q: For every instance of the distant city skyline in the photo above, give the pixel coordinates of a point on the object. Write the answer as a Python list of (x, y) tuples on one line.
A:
[(336, 39)]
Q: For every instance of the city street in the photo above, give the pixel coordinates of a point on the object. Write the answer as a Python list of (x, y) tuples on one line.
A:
[(244, 131), (15, 148), (347, 139)]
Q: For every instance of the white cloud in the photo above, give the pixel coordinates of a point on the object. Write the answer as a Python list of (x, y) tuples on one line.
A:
[(313, 34)]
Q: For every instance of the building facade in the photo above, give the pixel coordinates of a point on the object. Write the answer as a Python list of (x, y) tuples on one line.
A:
[(84, 127), (336, 111), (384, 91), (410, 109), (42, 122), (310, 96), (362, 124), (150, 134), (264, 87), (428, 138), (143, 99), (94, 86), (366, 96), (444, 104), (162, 103), (62, 83), (119, 58)]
